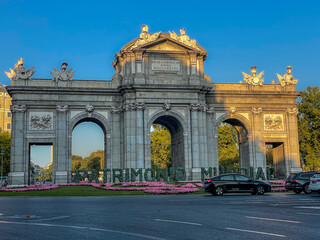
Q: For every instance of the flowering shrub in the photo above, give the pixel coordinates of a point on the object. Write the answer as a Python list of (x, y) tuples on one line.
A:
[(277, 185), (30, 188), (147, 187)]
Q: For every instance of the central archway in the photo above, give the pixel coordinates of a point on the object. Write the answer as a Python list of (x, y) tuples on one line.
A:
[(174, 124)]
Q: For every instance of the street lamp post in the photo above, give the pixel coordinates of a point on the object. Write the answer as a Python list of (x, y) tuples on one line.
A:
[(2, 152)]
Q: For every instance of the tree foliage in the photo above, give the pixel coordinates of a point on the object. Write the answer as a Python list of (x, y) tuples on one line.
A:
[(76, 162), (5, 141), (228, 146), (46, 174), (309, 127), (160, 147), (94, 161)]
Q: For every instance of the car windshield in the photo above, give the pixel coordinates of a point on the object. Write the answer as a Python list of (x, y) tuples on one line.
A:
[(292, 176), (242, 178), (317, 175), (227, 178)]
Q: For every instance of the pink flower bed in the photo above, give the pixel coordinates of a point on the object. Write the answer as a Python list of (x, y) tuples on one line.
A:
[(30, 188), (147, 187), (277, 185)]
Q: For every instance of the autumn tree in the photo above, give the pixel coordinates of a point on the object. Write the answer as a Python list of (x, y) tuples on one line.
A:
[(160, 147), (94, 161), (5, 141), (309, 127), (76, 162), (228, 146)]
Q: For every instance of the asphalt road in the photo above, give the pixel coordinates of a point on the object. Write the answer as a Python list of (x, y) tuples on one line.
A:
[(233, 216)]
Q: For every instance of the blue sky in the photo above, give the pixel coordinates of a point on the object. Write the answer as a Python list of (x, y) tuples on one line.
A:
[(236, 34)]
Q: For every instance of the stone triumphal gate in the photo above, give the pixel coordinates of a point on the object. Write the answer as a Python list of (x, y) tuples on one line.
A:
[(159, 79)]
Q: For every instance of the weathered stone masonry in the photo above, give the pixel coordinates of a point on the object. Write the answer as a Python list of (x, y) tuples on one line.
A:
[(157, 81)]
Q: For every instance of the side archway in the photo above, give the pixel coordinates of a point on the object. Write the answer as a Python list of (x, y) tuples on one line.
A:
[(241, 124), (102, 122)]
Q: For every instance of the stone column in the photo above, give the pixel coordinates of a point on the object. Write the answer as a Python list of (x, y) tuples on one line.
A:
[(194, 79), (115, 161), (127, 138), (132, 127), (62, 164), (293, 139), (259, 145), (140, 135), (19, 165), (196, 171), (202, 136), (210, 138)]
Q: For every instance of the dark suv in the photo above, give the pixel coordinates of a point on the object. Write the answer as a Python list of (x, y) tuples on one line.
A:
[(299, 182)]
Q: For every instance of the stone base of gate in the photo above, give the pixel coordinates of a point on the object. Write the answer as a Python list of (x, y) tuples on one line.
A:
[(61, 177), (196, 174), (16, 179)]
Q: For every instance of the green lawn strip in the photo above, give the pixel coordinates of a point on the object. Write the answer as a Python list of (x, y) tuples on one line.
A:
[(68, 191)]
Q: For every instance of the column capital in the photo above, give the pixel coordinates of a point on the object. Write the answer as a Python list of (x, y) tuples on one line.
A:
[(210, 110), (115, 109), (139, 106), (194, 107), (256, 110), (293, 111), (62, 108), (18, 108)]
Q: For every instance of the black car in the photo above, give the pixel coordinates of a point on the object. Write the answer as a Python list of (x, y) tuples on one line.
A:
[(235, 182), (299, 182)]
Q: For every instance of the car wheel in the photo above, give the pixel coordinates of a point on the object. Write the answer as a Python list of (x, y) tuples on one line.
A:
[(297, 191), (260, 190), (219, 191), (306, 189), (213, 192)]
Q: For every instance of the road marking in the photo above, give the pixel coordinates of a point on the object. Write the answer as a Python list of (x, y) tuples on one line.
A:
[(49, 219), (250, 231), (173, 221), (315, 207), (313, 214), (1, 214), (84, 228), (272, 219)]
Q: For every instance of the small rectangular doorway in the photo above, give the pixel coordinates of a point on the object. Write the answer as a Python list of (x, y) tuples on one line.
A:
[(275, 159), (40, 163)]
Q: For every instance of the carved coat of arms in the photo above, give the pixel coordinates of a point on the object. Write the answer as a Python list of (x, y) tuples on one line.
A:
[(254, 78), (41, 121), (273, 122)]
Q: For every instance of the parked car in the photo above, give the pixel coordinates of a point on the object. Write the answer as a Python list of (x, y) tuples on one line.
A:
[(315, 183), (234, 182), (299, 182)]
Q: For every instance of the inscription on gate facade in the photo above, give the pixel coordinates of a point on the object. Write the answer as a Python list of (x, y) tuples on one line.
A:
[(165, 65)]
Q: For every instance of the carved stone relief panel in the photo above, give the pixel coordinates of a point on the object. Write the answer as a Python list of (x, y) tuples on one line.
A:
[(41, 121), (273, 122)]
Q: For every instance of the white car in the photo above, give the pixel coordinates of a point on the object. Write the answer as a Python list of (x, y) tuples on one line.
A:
[(315, 183)]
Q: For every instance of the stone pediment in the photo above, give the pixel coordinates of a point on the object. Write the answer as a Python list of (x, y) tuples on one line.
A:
[(163, 43)]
